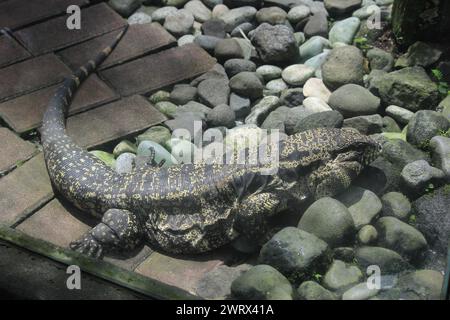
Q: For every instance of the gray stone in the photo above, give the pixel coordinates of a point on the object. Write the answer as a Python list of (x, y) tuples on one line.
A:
[(325, 119), (315, 105), (418, 174), (360, 292), (292, 97), (125, 163), (218, 9), (400, 237), (341, 276), (276, 119), (313, 46), (214, 28), (192, 107), (186, 39), (269, 72), (221, 116), (401, 152), (425, 284), (179, 23), (366, 11), (208, 43), (317, 61), (365, 124), (161, 154), (262, 109), (353, 100), (158, 134), (182, 150), (228, 49), (276, 86), (200, 12), (187, 122), (240, 105), (344, 31), (262, 282), (310, 290), (298, 13), (391, 127), (425, 125), (344, 65), (237, 16), (297, 74), (139, 18), (159, 96), (214, 92), (160, 14), (314, 87), (275, 44), (271, 15), (419, 54), (329, 220), (245, 27), (234, 66), (401, 115), (124, 146), (247, 84), (389, 261), (295, 253), (182, 94), (124, 7), (340, 8), (364, 205), (380, 59), (440, 147), (367, 235), (167, 108), (396, 205), (317, 25)]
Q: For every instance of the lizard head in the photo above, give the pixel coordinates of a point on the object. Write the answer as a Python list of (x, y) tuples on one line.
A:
[(328, 159)]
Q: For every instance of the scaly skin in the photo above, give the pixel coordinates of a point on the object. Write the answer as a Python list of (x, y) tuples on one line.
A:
[(193, 208)]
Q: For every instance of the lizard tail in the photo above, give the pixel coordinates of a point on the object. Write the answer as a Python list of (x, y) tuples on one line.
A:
[(54, 118)]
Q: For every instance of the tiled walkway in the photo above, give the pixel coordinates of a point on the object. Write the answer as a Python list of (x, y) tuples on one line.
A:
[(111, 105)]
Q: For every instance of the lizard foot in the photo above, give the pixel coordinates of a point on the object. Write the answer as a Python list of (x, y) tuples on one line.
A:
[(88, 245)]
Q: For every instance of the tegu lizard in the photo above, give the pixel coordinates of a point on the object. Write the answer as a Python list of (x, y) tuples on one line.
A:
[(192, 208)]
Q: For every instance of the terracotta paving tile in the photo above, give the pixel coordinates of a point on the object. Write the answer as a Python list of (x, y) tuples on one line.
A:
[(140, 39), (11, 51), (31, 75), (159, 70), (113, 121), (17, 13), (25, 112), (24, 190), (13, 150), (53, 34)]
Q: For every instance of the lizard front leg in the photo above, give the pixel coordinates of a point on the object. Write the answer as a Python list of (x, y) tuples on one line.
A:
[(119, 230)]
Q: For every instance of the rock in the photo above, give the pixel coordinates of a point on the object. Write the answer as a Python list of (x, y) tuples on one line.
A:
[(186, 39), (400, 115), (410, 88), (316, 62), (139, 18), (269, 72), (247, 84), (380, 59), (218, 10), (182, 150), (310, 290), (226, 49), (297, 74), (200, 12), (433, 219), (190, 122), (364, 205), (216, 284), (262, 109), (240, 105), (158, 134), (105, 157), (262, 282), (400, 237), (208, 43), (124, 146), (315, 105), (368, 10), (160, 14), (401, 153), (343, 66), (167, 108), (275, 44), (341, 276), (317, 25), (418, 174), (391, 130), (440, 147), (193, 108), (125, 163), (161, 154), (234, 66), (425, 284), (239, 137), (360, 292), (182, 94), (214, 28), (179, 23), (295, 253), (276, 85), (419, 54), (237, 16), (276, 119), (313, 46), (340, 8), (315, 88), (425, 125), (365, 124), (367, 235), (444, 107), (389, 261), (159, 96), (221, 116), (292, 97), (124, 7), (214, 92), (174, 3), (346, 254), (329, 220), (245, 28), (344, 31), (271, 15), (396, 205), (353, 100), (325, 119), (298, 13)]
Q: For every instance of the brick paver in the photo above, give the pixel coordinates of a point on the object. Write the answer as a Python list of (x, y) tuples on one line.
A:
[(11, 51), (55, 224), (159, 70), (24, 190), (25, 112), (140, 39), (18, 13), (54, 35), (13, 150), (31, 75), (131, 262), (113, 121)]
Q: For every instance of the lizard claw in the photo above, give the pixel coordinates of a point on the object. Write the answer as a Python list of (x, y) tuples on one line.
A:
[(88, 245)]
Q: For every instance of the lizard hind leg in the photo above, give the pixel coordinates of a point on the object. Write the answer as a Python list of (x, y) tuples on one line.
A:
[(120, 230)]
